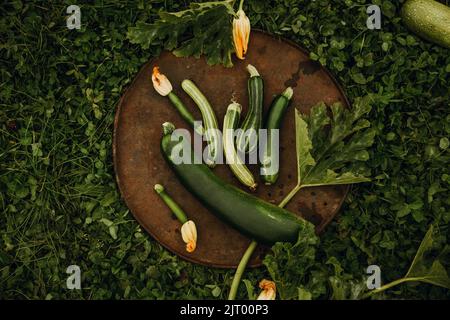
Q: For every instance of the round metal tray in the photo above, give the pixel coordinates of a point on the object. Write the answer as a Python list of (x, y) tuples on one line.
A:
[(139, 164)]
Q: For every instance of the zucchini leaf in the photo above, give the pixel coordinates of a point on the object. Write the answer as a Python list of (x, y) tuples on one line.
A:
[(423, 270), (327, 147), (436, 274), (204, 28)]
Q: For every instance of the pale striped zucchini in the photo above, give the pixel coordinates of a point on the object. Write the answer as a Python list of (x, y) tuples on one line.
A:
[(230, 123), (210, 124)]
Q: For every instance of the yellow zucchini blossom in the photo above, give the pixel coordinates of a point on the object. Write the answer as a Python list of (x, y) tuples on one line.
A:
[(241, 33), (269, 290), (160, 82), (189, 235)]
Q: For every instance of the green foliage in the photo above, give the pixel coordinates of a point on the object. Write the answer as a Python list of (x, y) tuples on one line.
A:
[(289, 265), (422, 269), (434, 274), (298, 276), (56, 174), (321, 151), (203, 29), (59, 203)]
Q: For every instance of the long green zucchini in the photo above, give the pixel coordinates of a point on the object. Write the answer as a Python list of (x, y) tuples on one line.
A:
[(252, 216), (428, 19)]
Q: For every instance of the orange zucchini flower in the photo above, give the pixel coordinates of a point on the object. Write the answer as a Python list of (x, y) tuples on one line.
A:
[(241, 33)]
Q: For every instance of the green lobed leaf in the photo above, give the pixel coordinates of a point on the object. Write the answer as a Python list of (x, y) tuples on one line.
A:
[(421, 269), (436, 274), (318, 119), (323, 153), (203, 29), (303, 146), (330, 177)]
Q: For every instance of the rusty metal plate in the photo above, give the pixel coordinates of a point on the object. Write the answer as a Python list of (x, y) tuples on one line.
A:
[(139, 164)]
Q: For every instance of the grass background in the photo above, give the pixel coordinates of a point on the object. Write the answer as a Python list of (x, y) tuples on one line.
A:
[(59, 204)]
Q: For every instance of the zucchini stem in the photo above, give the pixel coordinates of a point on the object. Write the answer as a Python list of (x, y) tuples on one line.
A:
[(173, 206), (288, 93), (252, 70), (168, 128)]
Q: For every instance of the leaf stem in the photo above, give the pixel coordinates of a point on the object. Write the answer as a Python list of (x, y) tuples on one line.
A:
[(290, 195), (240, 270), (390, 285)]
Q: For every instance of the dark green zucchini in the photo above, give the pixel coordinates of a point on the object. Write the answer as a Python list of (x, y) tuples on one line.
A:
[(257, 219), (276, 112), (253, 119)]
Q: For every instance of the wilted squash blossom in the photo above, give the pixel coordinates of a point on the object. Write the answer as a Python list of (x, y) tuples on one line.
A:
[(269, 290), (160, 82), (189, 235), (241, 33)]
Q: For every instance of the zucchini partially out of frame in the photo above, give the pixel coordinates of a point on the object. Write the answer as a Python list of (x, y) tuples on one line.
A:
[(257, 219), (429, 19)]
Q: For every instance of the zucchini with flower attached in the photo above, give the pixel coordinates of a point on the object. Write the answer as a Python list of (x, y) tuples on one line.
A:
[(250, 215), (230, 123), (248, 137), (188, 228), (211, 131), (163, 86), (269, 173)]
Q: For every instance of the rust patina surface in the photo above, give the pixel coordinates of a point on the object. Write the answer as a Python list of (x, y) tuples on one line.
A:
[(139, 165)]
